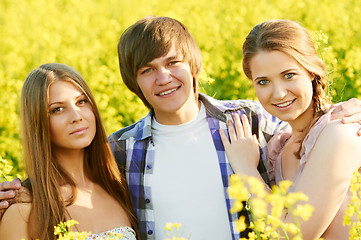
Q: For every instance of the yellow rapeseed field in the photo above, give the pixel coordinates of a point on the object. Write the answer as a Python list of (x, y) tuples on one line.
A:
[(84, 35)]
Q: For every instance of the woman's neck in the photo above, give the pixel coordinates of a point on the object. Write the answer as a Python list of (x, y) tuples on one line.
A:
[(72, 161), (302, 122)]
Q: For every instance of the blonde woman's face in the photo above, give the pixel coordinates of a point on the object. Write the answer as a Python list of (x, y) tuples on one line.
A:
[(72, 121), (283, 86)]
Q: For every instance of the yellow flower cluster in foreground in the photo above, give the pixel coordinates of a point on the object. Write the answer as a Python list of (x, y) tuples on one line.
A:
[(267, 209)]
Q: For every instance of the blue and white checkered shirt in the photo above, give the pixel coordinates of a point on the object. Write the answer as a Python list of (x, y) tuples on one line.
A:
[(133, 149)]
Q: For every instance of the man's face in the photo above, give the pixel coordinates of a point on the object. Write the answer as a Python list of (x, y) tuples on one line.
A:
[(167, 84)]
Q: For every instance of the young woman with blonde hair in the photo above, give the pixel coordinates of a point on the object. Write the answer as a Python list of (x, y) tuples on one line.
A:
[(71, 170), (320, 154)]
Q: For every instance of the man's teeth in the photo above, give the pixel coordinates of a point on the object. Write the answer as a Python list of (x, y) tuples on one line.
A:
[(284, 104), (167, 92)]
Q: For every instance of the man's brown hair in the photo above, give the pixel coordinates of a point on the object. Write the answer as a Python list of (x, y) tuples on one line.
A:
[(152, 37)]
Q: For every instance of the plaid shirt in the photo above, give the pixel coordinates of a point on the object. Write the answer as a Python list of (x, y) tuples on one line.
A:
[(133, 149)]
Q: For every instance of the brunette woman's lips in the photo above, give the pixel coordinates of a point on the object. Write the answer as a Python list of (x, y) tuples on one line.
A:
[(79, 131)]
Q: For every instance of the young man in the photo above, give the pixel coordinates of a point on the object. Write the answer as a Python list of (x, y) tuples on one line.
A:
[(173, 158)]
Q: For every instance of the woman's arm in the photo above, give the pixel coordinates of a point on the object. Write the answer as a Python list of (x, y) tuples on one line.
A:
[(327, 173), (14, 222)]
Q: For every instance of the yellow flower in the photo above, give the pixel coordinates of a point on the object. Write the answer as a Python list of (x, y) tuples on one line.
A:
[(169, 226), (237, 189), (294, 197), (291, 228), (303, 211), (236, 207), (256, 187), (284, 185), (258, 207), (241, 224)]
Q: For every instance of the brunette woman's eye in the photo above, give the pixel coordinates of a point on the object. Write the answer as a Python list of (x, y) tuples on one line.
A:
[(57, 109)]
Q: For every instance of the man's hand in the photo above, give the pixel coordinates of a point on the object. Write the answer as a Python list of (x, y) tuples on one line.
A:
[(348, 112), (7, 191)]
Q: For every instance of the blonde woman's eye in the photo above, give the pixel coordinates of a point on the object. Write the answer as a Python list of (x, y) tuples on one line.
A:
[(262, 82), (289, 75)]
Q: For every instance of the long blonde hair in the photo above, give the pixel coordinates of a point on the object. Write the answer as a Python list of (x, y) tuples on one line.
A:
[(45, 175)]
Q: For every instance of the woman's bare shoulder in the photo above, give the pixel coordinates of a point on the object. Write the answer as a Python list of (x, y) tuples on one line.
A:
[(336, 132), (14, 222), (340, 139)]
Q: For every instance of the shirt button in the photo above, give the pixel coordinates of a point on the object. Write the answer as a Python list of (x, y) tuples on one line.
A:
[(147, 200), (149, 166), (150, 232)]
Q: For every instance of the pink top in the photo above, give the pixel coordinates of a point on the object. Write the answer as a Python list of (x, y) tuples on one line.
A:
[(276, 145)]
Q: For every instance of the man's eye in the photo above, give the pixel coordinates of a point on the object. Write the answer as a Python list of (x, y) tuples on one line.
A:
[(174, 62), (147, 70)]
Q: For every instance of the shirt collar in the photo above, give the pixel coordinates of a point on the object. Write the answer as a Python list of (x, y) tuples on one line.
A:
[(215, 108)]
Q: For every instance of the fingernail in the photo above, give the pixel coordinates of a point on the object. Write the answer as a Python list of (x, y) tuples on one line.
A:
[(11, 194), (17, 185)]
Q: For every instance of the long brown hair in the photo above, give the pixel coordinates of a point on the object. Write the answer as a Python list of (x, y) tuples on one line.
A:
[(292, 39), (45, 175)]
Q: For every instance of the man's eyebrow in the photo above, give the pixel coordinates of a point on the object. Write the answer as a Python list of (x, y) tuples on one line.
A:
[(172, 57), (149, 64)]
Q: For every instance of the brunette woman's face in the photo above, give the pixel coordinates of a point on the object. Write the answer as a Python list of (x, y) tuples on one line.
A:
[(72, 120)]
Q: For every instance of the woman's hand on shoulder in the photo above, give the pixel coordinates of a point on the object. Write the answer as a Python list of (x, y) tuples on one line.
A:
[(242, 148), (349, 112), (13, 225)]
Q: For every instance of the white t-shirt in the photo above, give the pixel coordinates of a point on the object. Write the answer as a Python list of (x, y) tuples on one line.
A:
[(187, 186)]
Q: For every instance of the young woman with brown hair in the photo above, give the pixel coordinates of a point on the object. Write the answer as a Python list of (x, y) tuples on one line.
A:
[(71, 170)]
